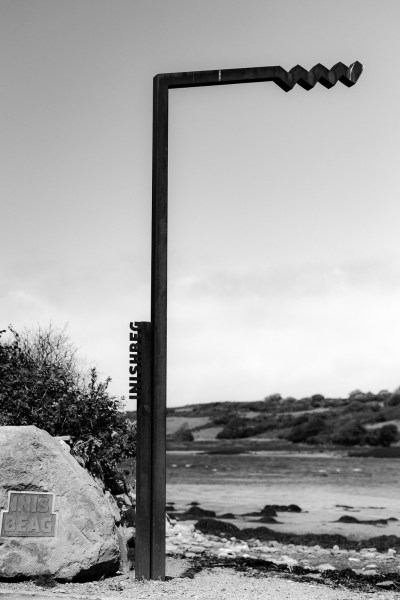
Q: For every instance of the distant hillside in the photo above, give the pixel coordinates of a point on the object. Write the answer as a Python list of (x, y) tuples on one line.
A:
[(361, 419)]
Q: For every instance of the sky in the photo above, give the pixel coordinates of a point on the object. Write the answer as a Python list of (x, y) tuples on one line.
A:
[(284, 253)]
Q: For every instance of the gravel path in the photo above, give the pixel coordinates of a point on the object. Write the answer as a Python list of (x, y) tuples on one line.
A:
[(214, 584)]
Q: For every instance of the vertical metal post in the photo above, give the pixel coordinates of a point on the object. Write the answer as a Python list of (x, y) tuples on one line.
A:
[(156, 441), (143, 452), (159, 324)]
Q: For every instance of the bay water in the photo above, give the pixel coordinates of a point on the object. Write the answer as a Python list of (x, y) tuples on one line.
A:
[(326, 486)]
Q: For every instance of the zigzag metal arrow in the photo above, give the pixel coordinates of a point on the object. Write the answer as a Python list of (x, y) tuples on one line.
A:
[(319, 74), (285, 79)]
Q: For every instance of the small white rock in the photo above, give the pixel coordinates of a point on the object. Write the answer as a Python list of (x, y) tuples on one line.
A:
[(326, 567), (367, 554), (196, 549), (289, 560)]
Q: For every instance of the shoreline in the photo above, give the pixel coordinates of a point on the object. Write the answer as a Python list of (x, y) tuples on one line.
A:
[(319, 556), (382, 543), (211, 567)]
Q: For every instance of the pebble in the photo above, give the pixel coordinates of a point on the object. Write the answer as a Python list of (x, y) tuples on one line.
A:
[(289, 560), (196, 549), (326, 567), (183, 539), (386, 584)]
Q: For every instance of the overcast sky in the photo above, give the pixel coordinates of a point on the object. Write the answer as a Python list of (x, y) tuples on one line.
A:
[(284, 256)]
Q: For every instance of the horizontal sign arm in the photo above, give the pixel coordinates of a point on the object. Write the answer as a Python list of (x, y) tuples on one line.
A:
[(286, 80)]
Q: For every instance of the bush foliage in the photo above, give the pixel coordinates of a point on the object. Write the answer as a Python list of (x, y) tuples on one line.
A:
[(43, 383), (183, 434), (307, 431)]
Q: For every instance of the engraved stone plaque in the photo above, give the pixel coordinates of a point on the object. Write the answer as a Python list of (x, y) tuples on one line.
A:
[(29, 514), (54, 517)]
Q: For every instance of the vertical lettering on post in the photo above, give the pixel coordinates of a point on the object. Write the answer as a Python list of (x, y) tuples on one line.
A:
[(135, 356), (140, 390)]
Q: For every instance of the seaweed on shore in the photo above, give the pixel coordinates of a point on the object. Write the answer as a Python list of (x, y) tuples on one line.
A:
[(326, 540), (256, 567)]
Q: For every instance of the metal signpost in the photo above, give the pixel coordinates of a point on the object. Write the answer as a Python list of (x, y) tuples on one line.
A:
[(151, 356)]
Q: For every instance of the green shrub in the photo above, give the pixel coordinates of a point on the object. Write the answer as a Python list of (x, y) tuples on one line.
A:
[(388, 434), (317, 400), (222, 419), (372, 437), (394, 400), (350, 434), (183, 434), (307, 430), (43, 383), (300, 419)]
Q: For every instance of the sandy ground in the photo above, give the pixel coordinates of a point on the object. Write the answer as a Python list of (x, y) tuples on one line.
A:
[(210, 584)]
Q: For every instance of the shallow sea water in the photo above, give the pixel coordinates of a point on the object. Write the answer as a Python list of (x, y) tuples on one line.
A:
[(325, 485)]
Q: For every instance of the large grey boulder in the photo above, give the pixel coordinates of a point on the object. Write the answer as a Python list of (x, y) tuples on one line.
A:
[(55, 518)]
